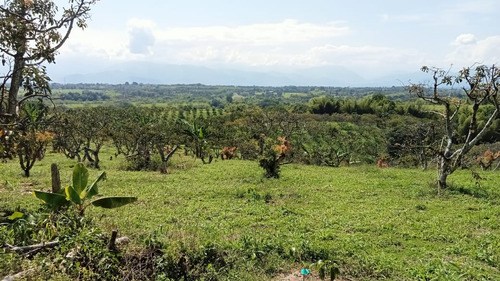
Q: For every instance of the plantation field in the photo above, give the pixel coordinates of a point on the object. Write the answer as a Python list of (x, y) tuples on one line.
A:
[(374, 223)]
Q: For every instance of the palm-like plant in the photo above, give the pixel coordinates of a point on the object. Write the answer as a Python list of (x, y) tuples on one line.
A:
[(80, 192)]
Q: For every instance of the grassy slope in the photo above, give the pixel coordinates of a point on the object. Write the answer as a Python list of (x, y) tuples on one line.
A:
[(377, 223)]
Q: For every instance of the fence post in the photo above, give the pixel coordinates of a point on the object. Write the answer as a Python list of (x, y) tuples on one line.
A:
[(56, 178)]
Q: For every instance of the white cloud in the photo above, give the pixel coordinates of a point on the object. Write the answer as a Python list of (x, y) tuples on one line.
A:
[(141, 40), (96, 43), (284, 43), (465, 39), (141, 37), (366, 60), (288, 31), (254, 44), (485, 51), (288, 43)]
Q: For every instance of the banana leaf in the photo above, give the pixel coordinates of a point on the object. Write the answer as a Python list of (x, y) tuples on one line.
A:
[(92, 189), (113, 202), (72, 195), (53, 199), (80, 178)]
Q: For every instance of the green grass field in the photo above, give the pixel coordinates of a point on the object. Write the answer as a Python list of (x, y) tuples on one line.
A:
[(375, 223)]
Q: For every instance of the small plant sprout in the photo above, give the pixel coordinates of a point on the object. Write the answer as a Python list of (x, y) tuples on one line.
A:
[(79, 193)]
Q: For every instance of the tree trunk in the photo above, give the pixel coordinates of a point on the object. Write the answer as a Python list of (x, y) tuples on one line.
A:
[(15, 84), (23, 166), (97, 160), (87, 152), (163, 167), (29, 165), (442, 176), (164, 159), (96, 156), (424, 164), (444, 170)]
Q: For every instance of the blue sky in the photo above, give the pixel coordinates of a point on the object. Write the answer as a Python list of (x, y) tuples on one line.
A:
[(372, 38)]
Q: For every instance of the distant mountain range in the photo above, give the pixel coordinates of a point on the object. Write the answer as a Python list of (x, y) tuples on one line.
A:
[(153, 73)]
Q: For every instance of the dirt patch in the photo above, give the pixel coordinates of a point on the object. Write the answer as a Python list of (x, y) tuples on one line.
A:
[(27, 187), (296, 276), (139, 265)]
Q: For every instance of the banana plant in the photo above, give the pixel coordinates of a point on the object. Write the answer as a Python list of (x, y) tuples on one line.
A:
[(80, 192), (198, 136)]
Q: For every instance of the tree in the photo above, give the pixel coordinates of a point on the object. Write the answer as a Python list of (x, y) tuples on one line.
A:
[(95, 125), (33, 137), (197, 135), (31, 33), (329, 143), (480, 85), (410, 139), (324, 105), (165, 137), (132, 130), (69, 138)]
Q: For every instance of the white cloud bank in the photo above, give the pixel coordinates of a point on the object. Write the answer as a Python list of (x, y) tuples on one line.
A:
[(284, 44), (199, 43), (469, 50)]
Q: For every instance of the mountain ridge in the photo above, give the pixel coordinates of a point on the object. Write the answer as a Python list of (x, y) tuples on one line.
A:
[(155, 73)]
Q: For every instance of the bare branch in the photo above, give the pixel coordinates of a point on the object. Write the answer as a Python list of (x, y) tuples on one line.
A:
[(22, 249), (435, 112)]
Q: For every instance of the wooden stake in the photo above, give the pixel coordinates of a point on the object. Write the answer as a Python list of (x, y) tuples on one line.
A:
[(112, 241), (56, 178)]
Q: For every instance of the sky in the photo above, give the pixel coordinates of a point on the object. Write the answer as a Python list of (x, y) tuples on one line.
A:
[(371, 38)]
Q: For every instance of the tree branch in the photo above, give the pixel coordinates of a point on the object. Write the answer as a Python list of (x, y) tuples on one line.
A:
[(435, 112), (22, 249)]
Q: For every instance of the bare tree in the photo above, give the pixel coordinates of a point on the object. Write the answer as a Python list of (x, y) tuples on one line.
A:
[(480, 85)]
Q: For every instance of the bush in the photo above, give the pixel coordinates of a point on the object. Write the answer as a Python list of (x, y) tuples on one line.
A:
[(274, 152)]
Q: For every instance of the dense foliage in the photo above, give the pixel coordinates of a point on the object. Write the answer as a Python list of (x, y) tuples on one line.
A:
[(322, 128)]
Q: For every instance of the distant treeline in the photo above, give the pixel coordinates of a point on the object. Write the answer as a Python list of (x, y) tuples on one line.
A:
[(85, 95), (220, 95)]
